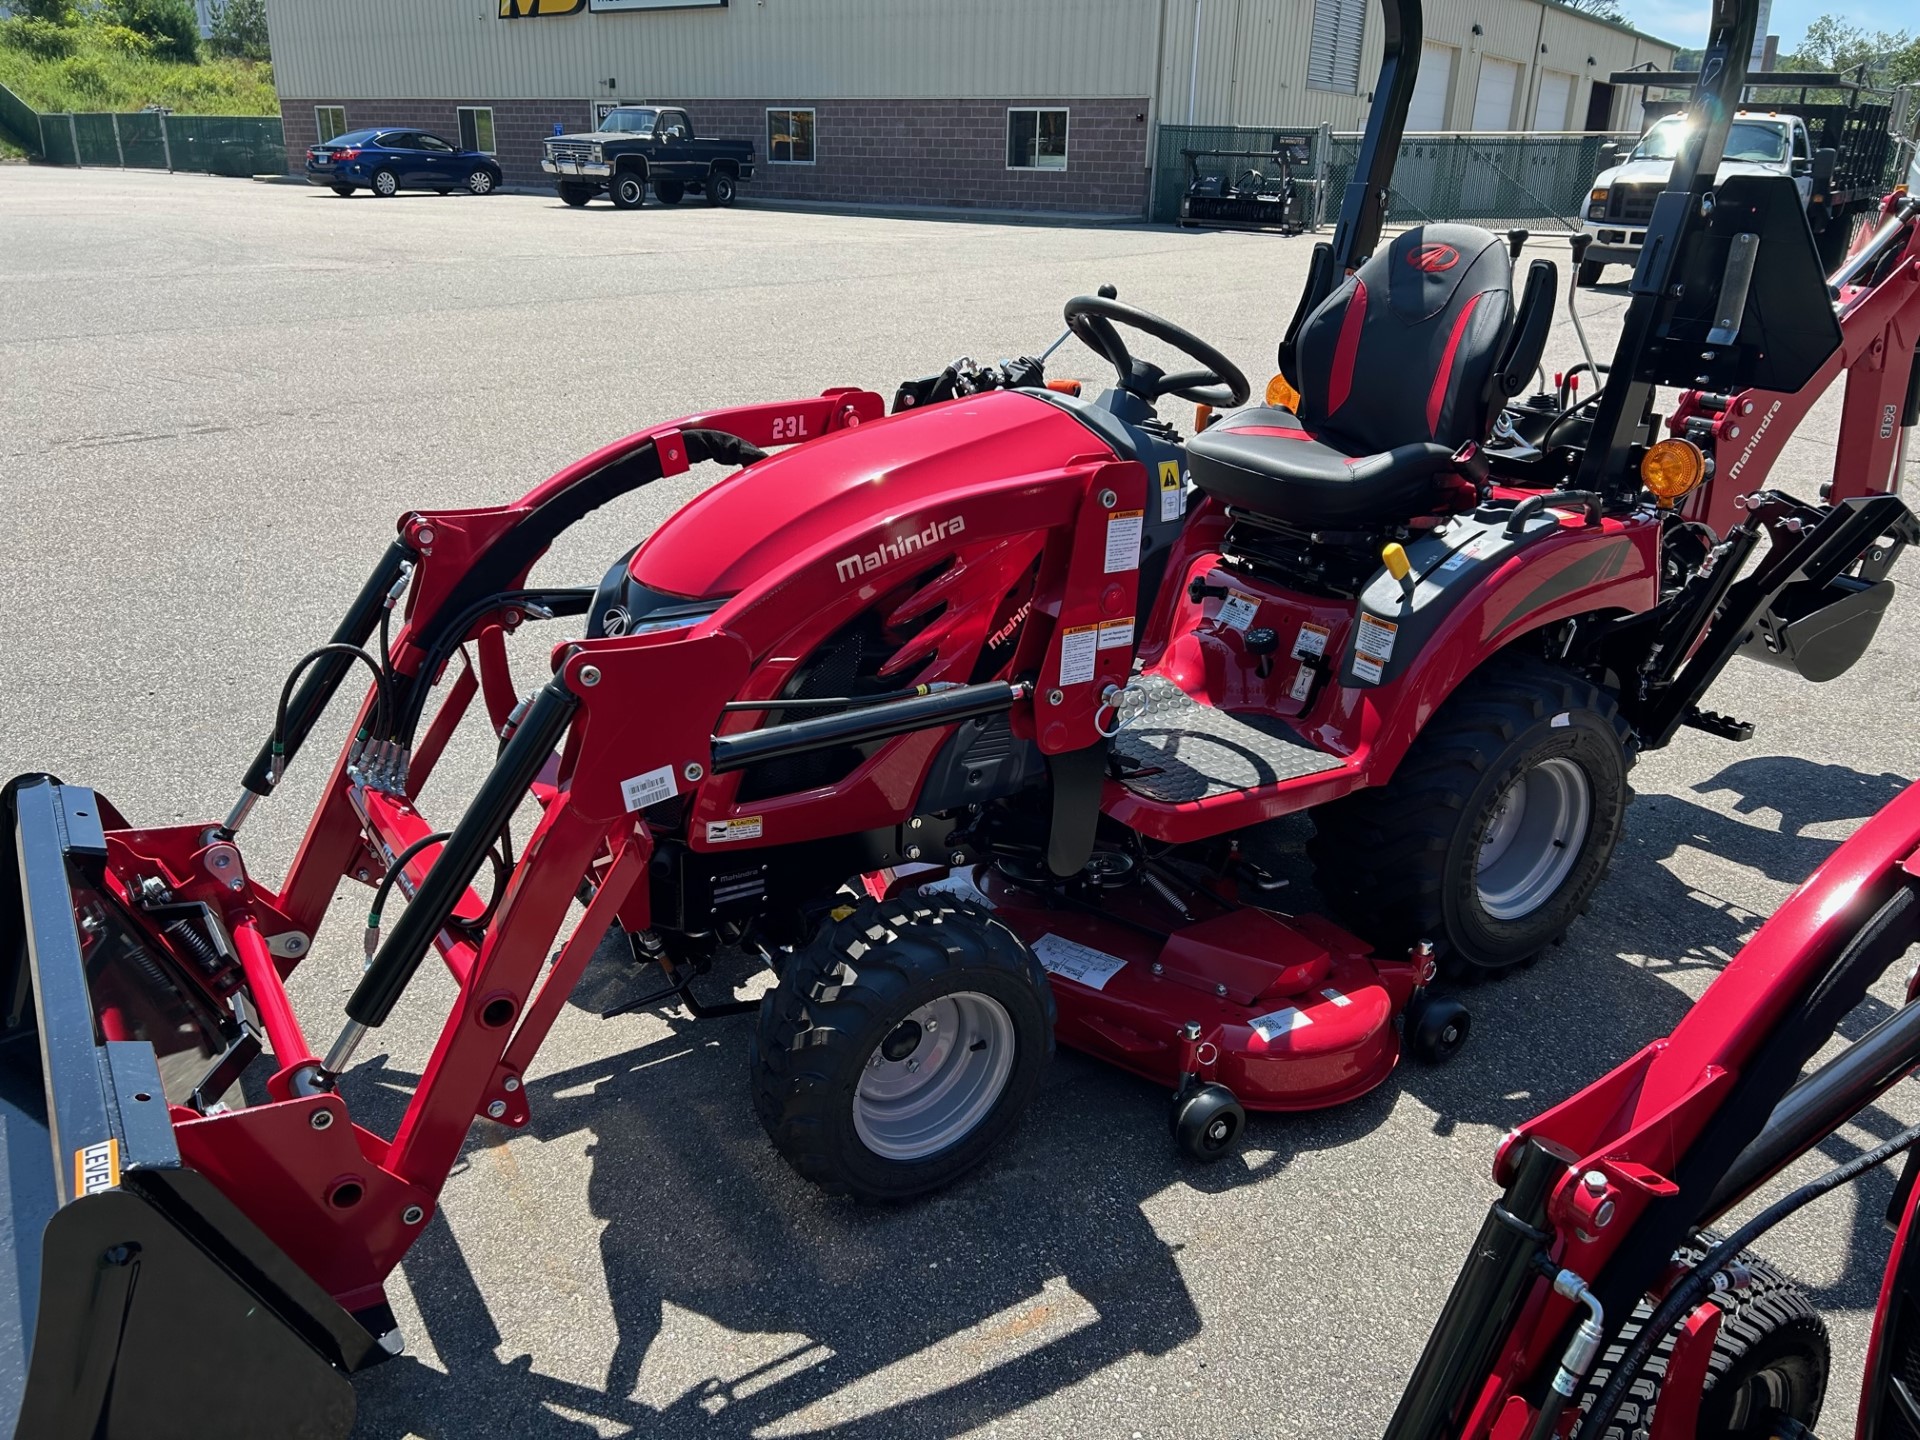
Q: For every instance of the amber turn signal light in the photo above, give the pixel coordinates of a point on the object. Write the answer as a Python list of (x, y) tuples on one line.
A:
[(1672, 468), (1283, 396)]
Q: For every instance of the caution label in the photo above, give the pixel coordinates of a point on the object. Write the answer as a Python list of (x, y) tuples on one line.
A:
[(1123, 540), (1116, 634), (740, 827), (1173, 495), (1312, 640), (1238, 611), (1077, 647), (1373, 648)]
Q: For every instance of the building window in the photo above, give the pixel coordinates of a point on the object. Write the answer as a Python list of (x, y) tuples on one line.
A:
[(1036, 139), (790, 137), (476, 128), (1333, 52), (329, 122)]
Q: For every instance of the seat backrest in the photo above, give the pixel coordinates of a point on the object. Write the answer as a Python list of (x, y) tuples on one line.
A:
[(1407, 349)]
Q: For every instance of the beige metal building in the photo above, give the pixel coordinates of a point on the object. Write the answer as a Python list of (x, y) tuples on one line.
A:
[(1039, 104)]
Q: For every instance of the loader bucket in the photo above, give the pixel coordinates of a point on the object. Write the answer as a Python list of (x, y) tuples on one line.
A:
[(136, 1299)]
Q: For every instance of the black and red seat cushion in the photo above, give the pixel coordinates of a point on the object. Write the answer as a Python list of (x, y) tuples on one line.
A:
[(1397, 371)]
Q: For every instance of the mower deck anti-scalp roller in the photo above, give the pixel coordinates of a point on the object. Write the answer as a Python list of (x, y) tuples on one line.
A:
[(962, 715)]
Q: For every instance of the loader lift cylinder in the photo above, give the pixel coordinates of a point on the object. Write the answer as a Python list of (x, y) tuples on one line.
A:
[(459, 861)]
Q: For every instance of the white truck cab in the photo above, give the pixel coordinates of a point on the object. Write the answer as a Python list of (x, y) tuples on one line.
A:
[(1621, 202)]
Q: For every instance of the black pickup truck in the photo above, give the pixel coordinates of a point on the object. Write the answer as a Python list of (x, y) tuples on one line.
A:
[(641, 145)]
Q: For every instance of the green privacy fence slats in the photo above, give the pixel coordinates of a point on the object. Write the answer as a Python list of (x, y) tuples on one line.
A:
[(149, 140), (18, 123), (1436, 177)]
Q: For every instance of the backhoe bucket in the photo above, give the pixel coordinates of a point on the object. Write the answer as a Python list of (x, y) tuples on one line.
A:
[(135, 1298)]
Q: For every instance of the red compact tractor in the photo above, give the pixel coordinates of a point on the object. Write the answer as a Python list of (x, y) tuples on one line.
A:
[(957, 717)]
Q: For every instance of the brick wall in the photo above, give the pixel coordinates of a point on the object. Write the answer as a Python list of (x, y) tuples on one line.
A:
[(919, 152)]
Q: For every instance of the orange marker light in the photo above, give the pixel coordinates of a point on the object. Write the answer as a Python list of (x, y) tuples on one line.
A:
[(1671, 469)]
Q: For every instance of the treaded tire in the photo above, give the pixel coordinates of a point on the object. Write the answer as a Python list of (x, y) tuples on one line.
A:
[(343, 191), (720, 188), (1589, 274), (1398, 862), (847, 991), (574, 195), (1768, 1326), (627, 190)]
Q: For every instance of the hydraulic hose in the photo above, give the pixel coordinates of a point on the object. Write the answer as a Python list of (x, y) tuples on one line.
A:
[(1693, 1288)]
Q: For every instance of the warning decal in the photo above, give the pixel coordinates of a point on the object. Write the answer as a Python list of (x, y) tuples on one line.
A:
[(1239, 610), (1076, 653), (1116, 634), (740, 827), (1123, 540), (1173, 498), (1312, 640), (1082, 963)]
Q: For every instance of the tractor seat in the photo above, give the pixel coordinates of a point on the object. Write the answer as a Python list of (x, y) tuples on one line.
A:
[(1399, 368)]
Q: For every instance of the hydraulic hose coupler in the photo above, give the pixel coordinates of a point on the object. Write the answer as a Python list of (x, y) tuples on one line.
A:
[(1585, 1345)]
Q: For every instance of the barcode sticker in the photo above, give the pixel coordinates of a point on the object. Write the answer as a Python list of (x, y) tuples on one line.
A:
[(1337, 998), (1080, 963), (1173, 496), (650, 788), (1116, 634), (1076, 653), (1272, 1026), (1239, 610), (1123, 540)]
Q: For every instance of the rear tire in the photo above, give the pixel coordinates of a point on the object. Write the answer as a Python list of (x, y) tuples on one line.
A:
[(343, 191), (574, 195), (1495, 829), (480, 182), (1770, 1359), (1589, 274), (720, 190), (900, 1047), (669, 192), (384, 184), (628, 190)]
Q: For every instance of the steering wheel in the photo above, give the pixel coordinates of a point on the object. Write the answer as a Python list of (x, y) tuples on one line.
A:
[(1220, 384)]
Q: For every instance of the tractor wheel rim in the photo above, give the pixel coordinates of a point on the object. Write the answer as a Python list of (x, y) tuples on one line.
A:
[(1534, 838), (934, 1076)]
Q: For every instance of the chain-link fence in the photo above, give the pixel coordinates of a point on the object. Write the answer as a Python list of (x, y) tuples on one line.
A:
[(149, 139), (1521, 179)]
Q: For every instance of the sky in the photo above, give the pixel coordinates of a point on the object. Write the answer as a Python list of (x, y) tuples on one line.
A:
[(1685, 21)]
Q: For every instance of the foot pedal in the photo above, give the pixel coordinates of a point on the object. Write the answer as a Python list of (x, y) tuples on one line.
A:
[(1714, 723)]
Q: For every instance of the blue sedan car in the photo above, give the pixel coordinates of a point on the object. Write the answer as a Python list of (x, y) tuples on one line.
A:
[(387, 161)]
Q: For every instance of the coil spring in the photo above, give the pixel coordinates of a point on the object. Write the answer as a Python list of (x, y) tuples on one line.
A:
[(197, 947)]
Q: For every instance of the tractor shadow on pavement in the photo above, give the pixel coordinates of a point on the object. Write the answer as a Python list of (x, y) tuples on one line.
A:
[(1041, 1269)]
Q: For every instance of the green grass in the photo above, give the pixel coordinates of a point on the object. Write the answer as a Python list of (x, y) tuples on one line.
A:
[(101, 75)]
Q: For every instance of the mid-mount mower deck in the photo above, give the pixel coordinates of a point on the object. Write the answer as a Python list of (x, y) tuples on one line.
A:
[(957, 716)]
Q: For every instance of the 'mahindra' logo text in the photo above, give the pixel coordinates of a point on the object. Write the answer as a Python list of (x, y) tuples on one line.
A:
[(854, 566)]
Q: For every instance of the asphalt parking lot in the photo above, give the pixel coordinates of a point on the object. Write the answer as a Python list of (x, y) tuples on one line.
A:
[(216, 397)]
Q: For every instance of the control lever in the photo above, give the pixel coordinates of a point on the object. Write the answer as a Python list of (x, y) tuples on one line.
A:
[(1516, 242), (1580, 241), (1106, 292)]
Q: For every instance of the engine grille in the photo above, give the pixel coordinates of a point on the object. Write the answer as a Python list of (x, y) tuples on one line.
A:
[(577, 150), (1632, 204)]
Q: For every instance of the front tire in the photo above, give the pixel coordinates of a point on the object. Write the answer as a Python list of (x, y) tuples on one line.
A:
[(385, 184), (1770, 1361), (721, 188), (1495, 829), (480, 182), (900, 1047), (628, 190)]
